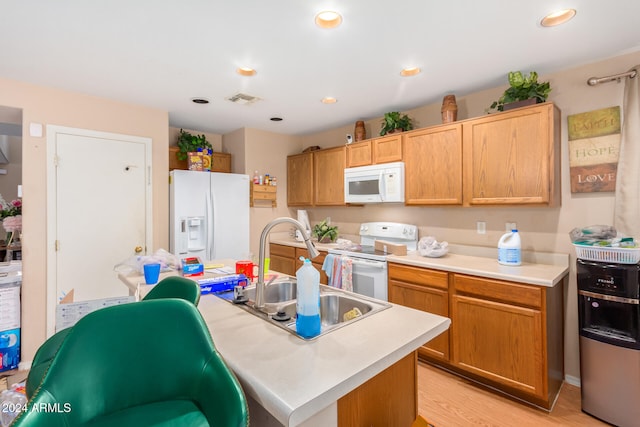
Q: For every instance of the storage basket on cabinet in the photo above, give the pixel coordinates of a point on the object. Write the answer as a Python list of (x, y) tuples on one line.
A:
[(608, 254)]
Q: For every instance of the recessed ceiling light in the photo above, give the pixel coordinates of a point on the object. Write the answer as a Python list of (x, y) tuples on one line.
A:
[(557, 18), (246, 71), (412, 71), (200, 101), (276, 119), (328, 19), (329, 100)]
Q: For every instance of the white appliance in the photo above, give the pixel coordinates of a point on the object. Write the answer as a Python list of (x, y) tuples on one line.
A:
[(369, 271), (381, 183), (209, 215)]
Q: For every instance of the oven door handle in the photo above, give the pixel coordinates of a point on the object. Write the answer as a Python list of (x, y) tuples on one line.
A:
[(372, 264), (609, 297)]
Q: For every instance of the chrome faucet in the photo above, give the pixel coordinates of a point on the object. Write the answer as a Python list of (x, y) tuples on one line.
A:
[(313, 252)]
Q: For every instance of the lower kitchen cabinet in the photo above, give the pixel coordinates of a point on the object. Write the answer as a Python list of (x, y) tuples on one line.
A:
[(285, 259), (504, 334), (282, 259), (426, 290)]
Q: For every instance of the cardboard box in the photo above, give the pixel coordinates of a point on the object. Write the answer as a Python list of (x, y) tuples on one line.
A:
[(391, 248)]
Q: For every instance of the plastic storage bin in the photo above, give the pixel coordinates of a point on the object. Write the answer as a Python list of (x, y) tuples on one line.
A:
[(608, 254)]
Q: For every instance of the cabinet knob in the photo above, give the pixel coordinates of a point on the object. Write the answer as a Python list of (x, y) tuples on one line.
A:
[(138, 249)]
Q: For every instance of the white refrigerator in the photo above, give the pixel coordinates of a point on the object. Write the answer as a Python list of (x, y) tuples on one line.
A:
[(209, 215)]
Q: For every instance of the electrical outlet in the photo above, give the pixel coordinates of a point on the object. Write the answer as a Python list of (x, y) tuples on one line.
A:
[(510, 226), (481, 227)]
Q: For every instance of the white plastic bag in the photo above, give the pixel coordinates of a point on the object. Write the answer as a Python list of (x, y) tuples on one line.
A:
[(428, 246), (167, 261)]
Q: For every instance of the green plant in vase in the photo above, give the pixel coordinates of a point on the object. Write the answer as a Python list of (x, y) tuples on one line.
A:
[(187, 142), (522, 88), (324, 232), (395, 122)]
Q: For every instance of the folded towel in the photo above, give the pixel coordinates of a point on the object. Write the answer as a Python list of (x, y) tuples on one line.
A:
[(336, 274), (347, 268)]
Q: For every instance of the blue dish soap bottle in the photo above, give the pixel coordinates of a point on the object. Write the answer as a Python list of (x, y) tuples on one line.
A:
[(308, 301)]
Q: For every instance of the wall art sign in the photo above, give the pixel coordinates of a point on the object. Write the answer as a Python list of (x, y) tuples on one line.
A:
[(594, 144)]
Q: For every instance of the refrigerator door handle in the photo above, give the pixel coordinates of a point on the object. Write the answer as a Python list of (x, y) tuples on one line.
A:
[(210, 230)]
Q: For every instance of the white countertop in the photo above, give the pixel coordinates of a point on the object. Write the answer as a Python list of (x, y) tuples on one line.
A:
[(543, 269), (294, 379)]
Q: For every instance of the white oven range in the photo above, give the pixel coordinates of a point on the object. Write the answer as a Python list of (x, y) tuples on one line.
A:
[(369, 266)]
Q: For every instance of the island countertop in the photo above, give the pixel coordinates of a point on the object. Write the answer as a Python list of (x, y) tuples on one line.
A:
[(294, 379)]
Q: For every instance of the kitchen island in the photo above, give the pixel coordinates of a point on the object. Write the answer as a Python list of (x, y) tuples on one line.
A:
[(291, 382)]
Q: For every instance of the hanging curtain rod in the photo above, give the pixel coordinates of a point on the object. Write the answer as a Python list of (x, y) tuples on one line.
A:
[(596, 80)]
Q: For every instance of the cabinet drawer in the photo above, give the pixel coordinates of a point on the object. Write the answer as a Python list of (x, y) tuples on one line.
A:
[(282, 250), (516, 293), (422, 276), (301, 252)]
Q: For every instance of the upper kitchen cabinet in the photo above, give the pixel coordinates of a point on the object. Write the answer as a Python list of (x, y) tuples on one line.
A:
[(433, 165), (220, 162), (513, 157), (300, 179), (373, 151), (328, 176)]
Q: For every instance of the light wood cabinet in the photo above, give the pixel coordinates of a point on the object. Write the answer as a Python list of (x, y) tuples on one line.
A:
[(388, 399), (513, 157), (433, 166), (426, 290), (282, 259), (263, 195), (220, 162), (317, 262), (300, 179), (359, 154), (328, 176), (374, 151), (287, 260), (509, 335), (387, 149), (504, 334)]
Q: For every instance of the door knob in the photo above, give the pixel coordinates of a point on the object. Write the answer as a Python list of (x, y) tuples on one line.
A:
[(138, 249)]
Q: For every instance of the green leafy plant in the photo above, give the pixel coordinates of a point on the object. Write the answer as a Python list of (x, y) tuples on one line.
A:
[(188, 142), (521, 88), (393, 121), (325, 232)]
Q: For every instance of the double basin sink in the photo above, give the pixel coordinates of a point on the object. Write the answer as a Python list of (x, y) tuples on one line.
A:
[(338, 308)]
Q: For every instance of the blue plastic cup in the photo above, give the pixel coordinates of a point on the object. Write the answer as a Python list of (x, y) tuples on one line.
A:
[(151, 273)]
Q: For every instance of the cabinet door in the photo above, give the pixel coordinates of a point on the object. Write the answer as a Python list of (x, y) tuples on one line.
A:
[(282, 259), (433, 166), (510, 157), (317, 262), (300, 179), (387, 149), (500, 342), (328, 172), (359, 154), (425, 290)]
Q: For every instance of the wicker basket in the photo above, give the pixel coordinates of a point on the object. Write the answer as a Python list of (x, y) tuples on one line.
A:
[(608, 254)]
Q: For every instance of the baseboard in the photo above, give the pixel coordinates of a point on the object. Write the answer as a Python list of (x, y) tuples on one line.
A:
[(570, 379)]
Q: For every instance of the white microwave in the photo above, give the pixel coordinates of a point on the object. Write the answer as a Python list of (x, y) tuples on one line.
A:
[(381, 183)]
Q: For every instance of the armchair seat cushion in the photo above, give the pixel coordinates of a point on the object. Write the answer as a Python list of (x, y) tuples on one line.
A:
[(169, 413)]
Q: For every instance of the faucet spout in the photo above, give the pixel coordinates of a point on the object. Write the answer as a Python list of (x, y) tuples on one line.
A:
[(313, 252)]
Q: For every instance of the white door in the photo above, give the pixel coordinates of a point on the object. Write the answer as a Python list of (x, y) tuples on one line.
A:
[(99, 211)]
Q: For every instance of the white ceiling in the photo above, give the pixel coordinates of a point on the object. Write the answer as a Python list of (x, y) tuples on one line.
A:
[(161, 53)]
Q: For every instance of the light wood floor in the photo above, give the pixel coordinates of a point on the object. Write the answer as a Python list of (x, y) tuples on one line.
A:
[(446, 400)]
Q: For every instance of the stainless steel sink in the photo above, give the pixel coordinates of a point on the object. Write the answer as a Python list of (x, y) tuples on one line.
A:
[(338, 308)]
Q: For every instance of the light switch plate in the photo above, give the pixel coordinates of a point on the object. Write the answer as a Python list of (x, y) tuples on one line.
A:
[(35, 130), (510, 226)]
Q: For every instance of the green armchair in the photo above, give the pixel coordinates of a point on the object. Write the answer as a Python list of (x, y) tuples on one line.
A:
[(169, 287), (150, 363)]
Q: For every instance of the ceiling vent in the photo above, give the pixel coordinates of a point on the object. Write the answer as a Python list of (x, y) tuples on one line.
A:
[(243, 99)]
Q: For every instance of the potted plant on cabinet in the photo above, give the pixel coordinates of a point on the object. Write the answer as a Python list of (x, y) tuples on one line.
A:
[(395, 122), (188, 143), (523, 90)]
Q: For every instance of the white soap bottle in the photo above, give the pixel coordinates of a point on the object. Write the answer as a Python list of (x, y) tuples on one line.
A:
[(509, 249), (308, 300)]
